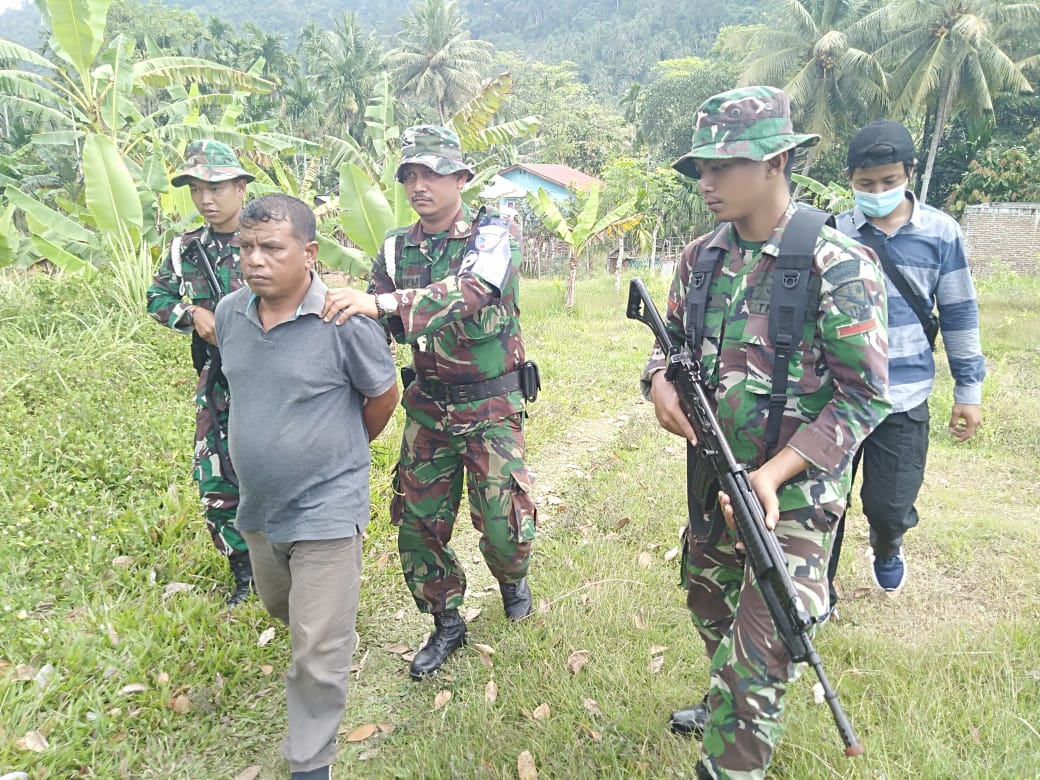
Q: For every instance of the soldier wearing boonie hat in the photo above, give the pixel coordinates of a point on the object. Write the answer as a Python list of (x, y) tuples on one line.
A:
[(718, 310), (448, 287), (182, 297), (434, 147), (749, 122)]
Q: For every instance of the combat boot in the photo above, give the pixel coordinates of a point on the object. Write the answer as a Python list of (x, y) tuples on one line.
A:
[(516, 598), (449, 636), (242, 568), (691, 721)]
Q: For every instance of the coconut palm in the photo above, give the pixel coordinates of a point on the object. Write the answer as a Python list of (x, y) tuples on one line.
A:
[(436, 60), (951, 55), (810, 49), (344, 64)]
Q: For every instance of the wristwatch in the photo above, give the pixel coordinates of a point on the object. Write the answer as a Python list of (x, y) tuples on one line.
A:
[(386, 305)]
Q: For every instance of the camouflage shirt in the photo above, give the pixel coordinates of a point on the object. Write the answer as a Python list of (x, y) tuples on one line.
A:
[(459, 311), (178, 285), (838, 380)]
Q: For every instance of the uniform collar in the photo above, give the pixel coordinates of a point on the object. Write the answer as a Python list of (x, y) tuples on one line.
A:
[(461, 227), (726, 240)]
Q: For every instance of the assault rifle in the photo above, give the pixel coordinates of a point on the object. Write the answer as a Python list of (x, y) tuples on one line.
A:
[(201, 351), (764, 554)]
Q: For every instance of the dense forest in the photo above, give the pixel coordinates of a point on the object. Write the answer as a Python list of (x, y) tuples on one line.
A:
[(613, 42)]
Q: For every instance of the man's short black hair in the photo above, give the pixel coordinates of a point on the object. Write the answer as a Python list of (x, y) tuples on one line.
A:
[(279, 207)]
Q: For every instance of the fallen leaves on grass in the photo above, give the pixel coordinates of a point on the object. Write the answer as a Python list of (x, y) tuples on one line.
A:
[(174, 588), (491, 692), (123, 561), (485, 651), (591, 733), (180, 703), (646, 560), (398, 649), (592, 707), (818, 695), (249, 773), (361, 733), (576, 661), (33, 741), (265, 637), (670, 555), (126, 690), (622, 522), (656, 664), (442, 698), (657, 649), (525, 766), (266, 669), (472, 614)]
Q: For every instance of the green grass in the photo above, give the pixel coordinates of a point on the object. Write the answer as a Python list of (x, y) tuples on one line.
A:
[(98, 516)]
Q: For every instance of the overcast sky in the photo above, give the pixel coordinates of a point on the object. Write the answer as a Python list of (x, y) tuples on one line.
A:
[(5, 4)]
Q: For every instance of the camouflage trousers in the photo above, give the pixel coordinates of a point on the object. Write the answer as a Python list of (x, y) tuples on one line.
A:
[(427, 494), (750, 667), (219, 493)]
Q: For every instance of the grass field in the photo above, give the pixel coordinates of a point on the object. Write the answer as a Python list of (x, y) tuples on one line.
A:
[(118, 661)]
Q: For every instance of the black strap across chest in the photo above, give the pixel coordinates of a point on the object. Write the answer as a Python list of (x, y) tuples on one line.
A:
[(788, 302)]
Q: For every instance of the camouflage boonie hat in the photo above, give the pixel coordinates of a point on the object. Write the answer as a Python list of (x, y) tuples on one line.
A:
[(749, 122), (433, 146), (210, 161)]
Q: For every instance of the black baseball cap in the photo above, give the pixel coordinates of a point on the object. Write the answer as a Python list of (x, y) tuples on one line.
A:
[(881, 143)]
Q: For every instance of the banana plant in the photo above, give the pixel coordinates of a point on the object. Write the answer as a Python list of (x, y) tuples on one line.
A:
[(587, 228), (89, 96)]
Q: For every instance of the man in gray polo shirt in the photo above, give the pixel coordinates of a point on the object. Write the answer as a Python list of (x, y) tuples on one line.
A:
[(308, 399)]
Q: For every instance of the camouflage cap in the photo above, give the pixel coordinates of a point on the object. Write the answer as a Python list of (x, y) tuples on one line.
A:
[(749, 122), (433, 146), (210, 161)]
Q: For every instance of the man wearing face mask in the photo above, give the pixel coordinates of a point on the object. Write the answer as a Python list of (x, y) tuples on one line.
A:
[(922, 251)]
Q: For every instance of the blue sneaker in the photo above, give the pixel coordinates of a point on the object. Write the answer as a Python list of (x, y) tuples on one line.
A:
[(890, 573)]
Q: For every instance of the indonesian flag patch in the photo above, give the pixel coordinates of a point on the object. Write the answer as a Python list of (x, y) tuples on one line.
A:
[(856, 328)]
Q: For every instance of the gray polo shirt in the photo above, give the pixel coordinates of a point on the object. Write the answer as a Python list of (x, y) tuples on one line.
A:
[(296, 433)]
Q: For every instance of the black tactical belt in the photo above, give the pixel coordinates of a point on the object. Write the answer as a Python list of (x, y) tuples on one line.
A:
[(475, 391)]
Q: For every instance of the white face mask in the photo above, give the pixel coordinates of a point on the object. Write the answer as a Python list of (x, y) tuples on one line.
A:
[(880, 204)]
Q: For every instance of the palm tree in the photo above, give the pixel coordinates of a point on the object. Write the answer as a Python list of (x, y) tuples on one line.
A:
[(344, 65), (436, 60), (952, 55), (278, 61), (810, 50)]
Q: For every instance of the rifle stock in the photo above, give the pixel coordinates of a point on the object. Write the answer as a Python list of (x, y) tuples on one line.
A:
[(765, 556)]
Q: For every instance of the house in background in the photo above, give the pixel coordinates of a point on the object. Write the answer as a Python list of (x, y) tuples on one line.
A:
[(511, 185)]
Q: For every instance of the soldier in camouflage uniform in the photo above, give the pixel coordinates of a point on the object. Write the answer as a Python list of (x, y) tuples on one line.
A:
[(182, 298), (448, 287), (836, 394)]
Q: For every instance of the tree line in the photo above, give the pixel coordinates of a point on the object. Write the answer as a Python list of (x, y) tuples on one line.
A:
[(149, 77)]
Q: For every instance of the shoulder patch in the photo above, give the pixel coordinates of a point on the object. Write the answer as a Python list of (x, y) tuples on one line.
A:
[(491, 255), (852, 300)]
